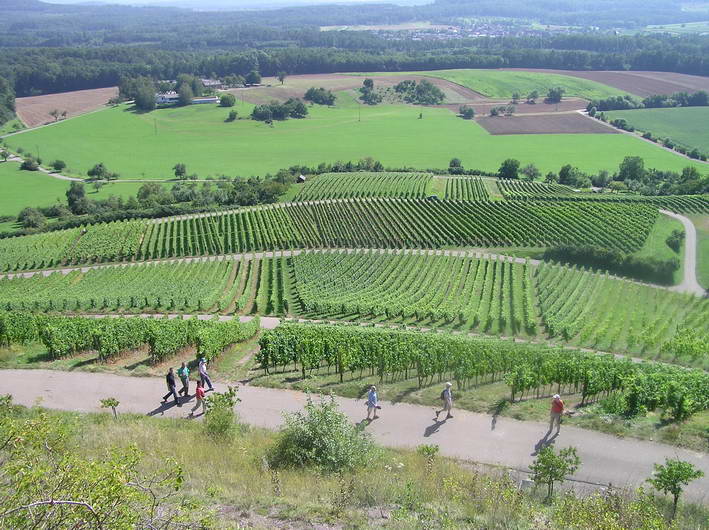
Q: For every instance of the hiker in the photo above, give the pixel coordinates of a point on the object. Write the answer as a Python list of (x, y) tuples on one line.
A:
[(199, 396), (184, 374), (447, 399), (557, 409), (170, 379), (203, 373), (372, 403)]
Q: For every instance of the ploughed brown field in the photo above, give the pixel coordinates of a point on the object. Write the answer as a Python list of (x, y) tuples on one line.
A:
[(483, 107), (34, 110), (639, 83), (569, 123)]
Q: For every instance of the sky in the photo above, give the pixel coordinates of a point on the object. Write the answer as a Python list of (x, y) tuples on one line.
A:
[(228, 4)]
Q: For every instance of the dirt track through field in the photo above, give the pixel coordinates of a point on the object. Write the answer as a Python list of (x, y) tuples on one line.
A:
[(469, 436), (560, 123)]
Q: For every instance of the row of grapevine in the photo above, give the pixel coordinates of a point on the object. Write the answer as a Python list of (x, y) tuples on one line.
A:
[(110, 337), (385, 223), (362, 185), (463, 291), (36, 251), (397, 354), (466, 189), (602, 312), (115, 241), (145, 287), (519, 189)]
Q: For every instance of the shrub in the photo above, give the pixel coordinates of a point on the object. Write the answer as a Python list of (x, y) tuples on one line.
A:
[(674, 240), (58, 165), (220, 418), (323, 437), (227, 100), (29, 164), (232, 116)]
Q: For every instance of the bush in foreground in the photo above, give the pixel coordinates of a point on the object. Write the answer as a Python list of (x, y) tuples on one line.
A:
[(322, 437)]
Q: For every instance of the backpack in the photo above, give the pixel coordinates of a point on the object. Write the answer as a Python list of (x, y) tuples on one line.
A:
[(443, 395)]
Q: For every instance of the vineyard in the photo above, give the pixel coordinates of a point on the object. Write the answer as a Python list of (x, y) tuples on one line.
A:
[(518, 189), (466, 189), (528, 370), (110, 337), (460, 292), (365, 185)]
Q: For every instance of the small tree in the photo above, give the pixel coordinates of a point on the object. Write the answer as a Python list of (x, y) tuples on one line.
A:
[(55, 113), (508, 169), (227, 100), (220, 418), (98, 184), (515, 97), (672, 477), (180, 170), (550, 467), (455, 166), (99, 171), (58, 165), (253, 78), (467, 112), (282, 77), (4, 154), (530, 172), (111, 403), (29, 164), (532, 96), (185, 95), (232, 116)]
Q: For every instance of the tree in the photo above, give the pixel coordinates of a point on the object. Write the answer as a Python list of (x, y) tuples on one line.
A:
[(74, 197), (227, 100), (671, 478), (4, 154), (532, 96), (320, 96), (550, 467), (554, 95), (253, 78), (368, 83), (55, 113), (282, 77), (180, 170), (58, 165), (515, 97), (31, 218), (508, 169), (631, 168), (551, 178), (531, 172), (99, 171), (467, 112), (455, 166), (29, 164), (97, 185), (185, 95), (111, 403), (232, 116)]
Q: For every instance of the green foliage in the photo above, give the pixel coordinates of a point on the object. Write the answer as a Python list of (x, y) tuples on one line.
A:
[(322, 437), (111, 403), (509, 169), (220, 418), (227, 100), (466, 112), (550, 467), (675, 239), (48, 483), (321, 96), (365, 185), (292, 108), (422, 93), (671, 478)]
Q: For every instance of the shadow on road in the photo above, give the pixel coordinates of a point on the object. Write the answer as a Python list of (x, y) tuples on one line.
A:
[(544, 442), (168, 405), (433, 429)]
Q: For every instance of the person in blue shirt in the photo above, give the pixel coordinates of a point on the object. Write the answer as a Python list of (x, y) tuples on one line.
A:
[(372, 403)]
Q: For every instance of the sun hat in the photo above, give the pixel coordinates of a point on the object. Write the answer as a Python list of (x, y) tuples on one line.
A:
[(557, 396), (449, 383)]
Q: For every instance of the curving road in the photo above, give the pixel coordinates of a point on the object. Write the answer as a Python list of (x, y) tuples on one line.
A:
[(470, 436), (689, 277)]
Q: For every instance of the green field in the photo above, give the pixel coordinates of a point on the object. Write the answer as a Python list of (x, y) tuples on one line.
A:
[(502, 84), (683, 28), (701, 222), (684, 125), (149, 145), (28, 188), (656, 243)]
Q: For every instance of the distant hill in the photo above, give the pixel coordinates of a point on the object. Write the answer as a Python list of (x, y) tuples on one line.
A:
[(24, 5)]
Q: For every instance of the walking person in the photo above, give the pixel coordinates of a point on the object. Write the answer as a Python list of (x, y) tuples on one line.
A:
[(372, 403), (203, 373), (557, 410), (171, 384), (199, 396), (447, 399), (184, 374)]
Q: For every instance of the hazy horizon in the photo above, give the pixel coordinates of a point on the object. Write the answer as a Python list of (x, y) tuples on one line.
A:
[(232, 4)]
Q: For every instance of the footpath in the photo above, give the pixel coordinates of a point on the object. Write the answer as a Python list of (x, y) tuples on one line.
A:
[(468, 436)]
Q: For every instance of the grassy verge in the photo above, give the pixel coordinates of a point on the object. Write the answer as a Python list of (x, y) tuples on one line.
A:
[(656, 243), (701, 223), (399, 489)]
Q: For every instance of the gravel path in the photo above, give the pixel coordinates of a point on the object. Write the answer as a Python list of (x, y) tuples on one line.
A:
[(470, 436), (689, 279)]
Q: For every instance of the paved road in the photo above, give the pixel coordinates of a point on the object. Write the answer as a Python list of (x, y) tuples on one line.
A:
[(689, 279), (470, 436)]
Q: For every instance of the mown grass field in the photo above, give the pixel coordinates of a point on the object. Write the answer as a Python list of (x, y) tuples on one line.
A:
[(502, 84), (27, 188), (686, 125), (656, 244), (149, 145)]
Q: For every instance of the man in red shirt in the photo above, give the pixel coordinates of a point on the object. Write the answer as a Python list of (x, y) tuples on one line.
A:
[(557, 409), (199, 396)]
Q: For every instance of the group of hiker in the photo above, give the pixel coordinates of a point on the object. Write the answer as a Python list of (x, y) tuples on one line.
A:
[(183, 372), (557, 406)]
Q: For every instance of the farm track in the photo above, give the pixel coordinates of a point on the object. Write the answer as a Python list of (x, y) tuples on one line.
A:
[(470, 436)]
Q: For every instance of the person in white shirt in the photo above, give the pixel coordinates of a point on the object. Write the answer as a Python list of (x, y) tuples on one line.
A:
[(203, 374)]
